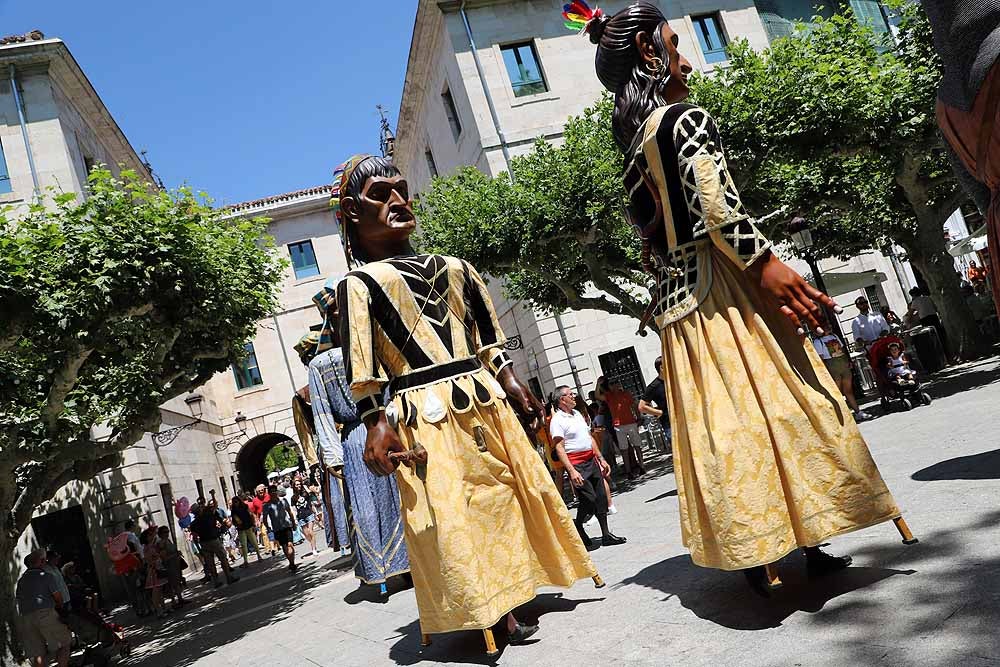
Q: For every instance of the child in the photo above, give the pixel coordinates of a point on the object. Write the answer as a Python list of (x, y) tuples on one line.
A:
[(899, 368)]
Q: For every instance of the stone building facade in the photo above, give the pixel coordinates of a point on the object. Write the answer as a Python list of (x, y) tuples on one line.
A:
[(538, 74)]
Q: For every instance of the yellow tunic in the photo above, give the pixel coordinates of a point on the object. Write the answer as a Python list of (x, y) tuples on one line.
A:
[(766, 454), (485, 525)]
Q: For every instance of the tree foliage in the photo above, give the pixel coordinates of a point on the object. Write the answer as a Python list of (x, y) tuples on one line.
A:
[(553, 232), (112, 304), (838, 124), (281, 457)]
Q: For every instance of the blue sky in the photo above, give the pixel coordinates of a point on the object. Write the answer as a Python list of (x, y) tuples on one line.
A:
[(241, 100)]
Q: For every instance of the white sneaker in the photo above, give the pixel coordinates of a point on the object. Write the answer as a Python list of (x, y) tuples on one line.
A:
[(590, 523), (861, 416), (612, 509)]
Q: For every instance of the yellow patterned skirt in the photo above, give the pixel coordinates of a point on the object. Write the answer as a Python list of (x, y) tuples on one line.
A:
[(766, 454), (484, 529)]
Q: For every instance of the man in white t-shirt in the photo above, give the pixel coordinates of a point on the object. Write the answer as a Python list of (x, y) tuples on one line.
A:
[(867, 327), (578, 452)]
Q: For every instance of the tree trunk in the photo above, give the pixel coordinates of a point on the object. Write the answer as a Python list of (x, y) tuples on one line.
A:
[(9, 643), (928, 253)]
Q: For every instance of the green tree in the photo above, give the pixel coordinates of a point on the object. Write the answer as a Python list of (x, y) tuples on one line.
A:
[(281, 457), (839, 126), (552, 233), (112, 304)]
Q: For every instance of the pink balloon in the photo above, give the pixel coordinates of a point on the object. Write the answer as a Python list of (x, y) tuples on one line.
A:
[(182, 507)]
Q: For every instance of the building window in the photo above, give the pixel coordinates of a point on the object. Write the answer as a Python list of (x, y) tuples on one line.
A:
[(201, 488), (4, 174), (225, 488), (523, 70), (710, 37), (871, 293), (431, 165), (869, 14), (246, 372), (303, 259), (536, 389), (452, 113)]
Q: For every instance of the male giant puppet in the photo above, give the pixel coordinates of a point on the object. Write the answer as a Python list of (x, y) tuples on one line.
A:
[(485, 526)]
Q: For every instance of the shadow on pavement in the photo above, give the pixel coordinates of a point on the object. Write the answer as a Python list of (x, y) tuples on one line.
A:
[(467, 646), (972, 375), (225, 615), (726, 599), (985, 465), (668, 494), (370, 592)]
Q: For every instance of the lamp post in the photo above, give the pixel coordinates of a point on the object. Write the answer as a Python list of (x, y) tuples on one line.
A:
[(241, 423), (164, 438), (802, 239)]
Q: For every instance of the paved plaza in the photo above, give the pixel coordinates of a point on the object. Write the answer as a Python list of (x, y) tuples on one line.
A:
[(934, 603)]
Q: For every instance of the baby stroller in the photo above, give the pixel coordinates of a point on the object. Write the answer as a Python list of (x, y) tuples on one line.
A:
[(894, 396), (97, 639)]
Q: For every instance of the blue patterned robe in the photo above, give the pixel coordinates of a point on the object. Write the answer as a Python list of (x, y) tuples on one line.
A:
[(376, 529)]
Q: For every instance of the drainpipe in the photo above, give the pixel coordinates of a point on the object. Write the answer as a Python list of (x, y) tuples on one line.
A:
[(19, 103), (569, 357), (486, 90)]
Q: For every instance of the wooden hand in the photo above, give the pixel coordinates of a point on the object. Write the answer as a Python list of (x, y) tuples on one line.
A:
[(796, 299), (381, 442), (525, 404)]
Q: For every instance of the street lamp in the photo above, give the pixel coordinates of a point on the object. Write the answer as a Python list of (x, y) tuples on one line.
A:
[(164, 438), (241, 423), (802, 239)]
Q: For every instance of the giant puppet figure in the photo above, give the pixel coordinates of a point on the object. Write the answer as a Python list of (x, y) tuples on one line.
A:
[(967, 37), (376, 527), (767, 456), (304, 413), (485, 525)]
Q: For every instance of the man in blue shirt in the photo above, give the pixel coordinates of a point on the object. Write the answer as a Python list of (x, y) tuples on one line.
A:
[(39, 604)]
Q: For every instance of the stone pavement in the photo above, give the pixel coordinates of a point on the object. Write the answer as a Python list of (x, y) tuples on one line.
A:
[(935, 603)]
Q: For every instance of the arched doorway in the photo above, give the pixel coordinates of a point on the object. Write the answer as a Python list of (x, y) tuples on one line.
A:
[(250, 459)]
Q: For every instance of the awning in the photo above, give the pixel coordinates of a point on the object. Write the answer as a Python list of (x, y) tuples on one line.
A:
[(843, 282), (974, 242)]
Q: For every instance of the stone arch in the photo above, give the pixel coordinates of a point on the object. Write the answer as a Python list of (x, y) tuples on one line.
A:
[(250, 458)]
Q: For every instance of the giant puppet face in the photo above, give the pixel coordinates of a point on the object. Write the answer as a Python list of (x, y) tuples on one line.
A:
[(679, 69), (383, 211)]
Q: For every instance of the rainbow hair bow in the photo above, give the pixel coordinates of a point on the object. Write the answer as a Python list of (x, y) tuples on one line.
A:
[(578, 15)]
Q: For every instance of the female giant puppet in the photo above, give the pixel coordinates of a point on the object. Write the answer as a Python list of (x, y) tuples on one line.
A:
[(766, 454), (485, 525)]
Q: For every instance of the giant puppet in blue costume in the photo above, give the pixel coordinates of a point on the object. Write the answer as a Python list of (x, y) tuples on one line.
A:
[(335, 515), (376, 528)]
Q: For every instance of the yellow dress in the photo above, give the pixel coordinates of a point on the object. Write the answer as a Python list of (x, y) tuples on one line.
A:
[(485, 525), (766, 453)]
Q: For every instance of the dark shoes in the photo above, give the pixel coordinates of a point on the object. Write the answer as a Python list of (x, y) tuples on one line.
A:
[(611, 540), (293, 568), (521, 632), (819, 563)]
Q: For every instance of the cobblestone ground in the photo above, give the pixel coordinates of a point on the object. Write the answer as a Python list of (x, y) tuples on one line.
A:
[(935, 603)]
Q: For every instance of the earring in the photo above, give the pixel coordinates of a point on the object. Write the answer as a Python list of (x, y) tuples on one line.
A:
[(656, 68)]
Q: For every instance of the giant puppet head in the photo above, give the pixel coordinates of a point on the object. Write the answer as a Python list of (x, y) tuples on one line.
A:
[(372, 202)]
